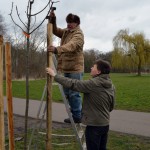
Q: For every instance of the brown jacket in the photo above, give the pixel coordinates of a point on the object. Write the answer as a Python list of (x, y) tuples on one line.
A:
[(70, 51)]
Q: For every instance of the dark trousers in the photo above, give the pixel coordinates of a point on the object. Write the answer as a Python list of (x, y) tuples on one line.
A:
[(96, 137)]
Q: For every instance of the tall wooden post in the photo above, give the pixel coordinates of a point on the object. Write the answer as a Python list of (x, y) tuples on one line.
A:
[(9, 95), (49, 91), (2, 131)]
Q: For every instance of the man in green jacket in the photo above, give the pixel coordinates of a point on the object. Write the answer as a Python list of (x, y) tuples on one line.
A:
[(70, 58), (98, 102)]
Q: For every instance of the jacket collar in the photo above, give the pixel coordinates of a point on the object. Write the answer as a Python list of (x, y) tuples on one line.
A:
[(102, 75)]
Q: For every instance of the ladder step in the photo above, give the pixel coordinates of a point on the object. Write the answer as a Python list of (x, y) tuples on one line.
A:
[(60, 135), (81, 134), (82, 125), (61, 144), (43, 133), (84, 146)]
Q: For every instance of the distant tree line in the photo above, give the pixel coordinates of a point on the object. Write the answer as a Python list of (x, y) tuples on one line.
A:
[(90, 55), (38, 61)]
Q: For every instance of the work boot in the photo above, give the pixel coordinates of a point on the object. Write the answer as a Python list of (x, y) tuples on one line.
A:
[(76, 120), (67, 120)]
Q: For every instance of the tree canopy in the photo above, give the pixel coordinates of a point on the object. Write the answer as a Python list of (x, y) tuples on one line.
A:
[(132, 50)]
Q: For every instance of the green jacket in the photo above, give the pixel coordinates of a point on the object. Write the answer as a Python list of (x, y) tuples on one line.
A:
[(99, 98), (70, 51)]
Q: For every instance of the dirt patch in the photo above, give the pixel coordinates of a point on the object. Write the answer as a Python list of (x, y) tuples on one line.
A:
[(19, 124)]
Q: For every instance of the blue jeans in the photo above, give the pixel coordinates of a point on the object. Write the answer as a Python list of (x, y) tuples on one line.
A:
[(74, 98), (96, 137)]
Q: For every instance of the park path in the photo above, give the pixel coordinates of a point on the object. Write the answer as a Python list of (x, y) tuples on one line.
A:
[(137, 123)]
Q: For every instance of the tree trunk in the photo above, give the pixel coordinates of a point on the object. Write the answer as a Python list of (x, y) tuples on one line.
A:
[(139, 67)]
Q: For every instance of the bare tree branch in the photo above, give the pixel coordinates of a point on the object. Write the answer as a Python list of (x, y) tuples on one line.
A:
[(42, 9), (45, 17), (39, 24), (13, 19), (20, 18), (29, 15)]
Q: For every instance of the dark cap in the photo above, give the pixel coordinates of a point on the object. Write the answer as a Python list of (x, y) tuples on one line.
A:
[(71, 18)]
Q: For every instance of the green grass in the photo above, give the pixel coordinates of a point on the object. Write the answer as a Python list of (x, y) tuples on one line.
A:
[(116, 141), (132, 92), (36, 88), (121, 141)]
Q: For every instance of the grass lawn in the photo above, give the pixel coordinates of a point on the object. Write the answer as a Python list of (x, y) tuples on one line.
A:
[(116, 141), (121, 141), (132, 92)]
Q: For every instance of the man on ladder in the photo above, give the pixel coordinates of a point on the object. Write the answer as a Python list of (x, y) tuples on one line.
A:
[(70, 59)]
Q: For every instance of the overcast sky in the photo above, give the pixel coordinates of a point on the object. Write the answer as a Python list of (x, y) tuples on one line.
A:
[(100, 19)]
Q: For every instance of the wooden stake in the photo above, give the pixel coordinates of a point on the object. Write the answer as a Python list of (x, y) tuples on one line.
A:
[(9, 95), (49, 91), (2, 131)]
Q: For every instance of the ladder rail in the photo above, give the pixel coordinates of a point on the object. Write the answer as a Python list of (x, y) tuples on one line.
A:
[(78, 134), (70, 116), (38, 116), (68, 109)]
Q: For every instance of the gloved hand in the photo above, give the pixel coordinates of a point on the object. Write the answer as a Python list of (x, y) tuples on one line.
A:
[(52, 49), (52, 18)]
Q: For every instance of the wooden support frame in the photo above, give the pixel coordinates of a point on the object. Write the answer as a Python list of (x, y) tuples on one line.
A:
[(2, 130), (49, 91), (9, 95)]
